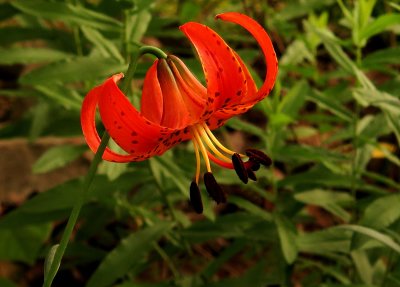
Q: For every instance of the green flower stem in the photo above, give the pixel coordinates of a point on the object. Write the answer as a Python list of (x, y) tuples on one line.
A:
[(55, 263), (58, 255), (133, 64)]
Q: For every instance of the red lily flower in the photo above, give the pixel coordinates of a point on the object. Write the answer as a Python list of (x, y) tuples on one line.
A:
[(176, 107)]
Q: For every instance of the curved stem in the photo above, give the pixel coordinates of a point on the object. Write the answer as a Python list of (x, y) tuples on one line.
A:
[(58, 255), (133, 64)]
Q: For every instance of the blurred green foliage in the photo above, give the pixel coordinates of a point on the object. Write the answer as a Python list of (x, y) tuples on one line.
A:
[(326, 214)]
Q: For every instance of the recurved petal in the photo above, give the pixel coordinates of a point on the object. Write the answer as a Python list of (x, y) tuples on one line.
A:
[(128, 128), (266, 46), (88, 116), (151, 105), (223, 72)]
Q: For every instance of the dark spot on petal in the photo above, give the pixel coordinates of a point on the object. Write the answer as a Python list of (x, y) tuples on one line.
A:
[(239, 93), (134, 142)]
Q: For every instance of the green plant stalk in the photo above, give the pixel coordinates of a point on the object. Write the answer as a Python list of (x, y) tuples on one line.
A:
[(75, 212), (55, 263)]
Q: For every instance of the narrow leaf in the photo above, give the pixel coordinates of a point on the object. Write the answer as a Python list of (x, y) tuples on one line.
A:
[(131, 250), (57, 157)]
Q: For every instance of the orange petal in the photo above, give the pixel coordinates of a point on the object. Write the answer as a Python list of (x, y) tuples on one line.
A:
[(88, 116), (151, 104), (175, 112), (265, 43), (223, 72), (129, 129), (193, 92)]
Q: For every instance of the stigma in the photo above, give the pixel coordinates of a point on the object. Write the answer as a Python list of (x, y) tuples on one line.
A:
[(210, 149)]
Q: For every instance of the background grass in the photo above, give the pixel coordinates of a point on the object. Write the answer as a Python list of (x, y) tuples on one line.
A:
[(326, 213)]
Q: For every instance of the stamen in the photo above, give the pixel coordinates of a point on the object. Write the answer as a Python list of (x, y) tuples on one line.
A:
[(240, 168), (196, 151), (195, 198), (259, 156), (213, 188), (202, 148), (217, 142), (251, 174), (209, 143), (254, 165)]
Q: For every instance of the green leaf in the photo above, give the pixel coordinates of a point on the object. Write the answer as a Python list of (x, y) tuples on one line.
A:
[(68, 98), (254, 277), (362, 265), (131, 250), (57, 157), (329, 200), (324, 241), (23, 243), (26, 55), (393, 122), (331, 44), (137, 25), (7, 11), (56, 203), (240, 125), (294, 99), (165, 165), (73, 70), (40, 119), (78, 15), (307, 153), (330, 104), (294, 9), (49, 259), (379, 25), (287, 237), (250, 207), (9, 35), (382, 212), (226, 254), (234, 225), (389, 56), (382, 100), (106, 47), (383, 238)]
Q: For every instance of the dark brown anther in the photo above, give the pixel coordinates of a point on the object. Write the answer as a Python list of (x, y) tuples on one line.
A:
[(213, 188), (195, 198), (259, 156), (254, 165), (251, 174), (240, 168)]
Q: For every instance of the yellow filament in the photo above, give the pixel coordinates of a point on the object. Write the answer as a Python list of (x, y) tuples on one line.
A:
[(196, 151), (217, 142), (202, 148), (209, 143)]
